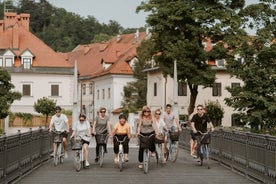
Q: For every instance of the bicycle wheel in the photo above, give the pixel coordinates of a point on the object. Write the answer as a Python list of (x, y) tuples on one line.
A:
[(146, 161), (77, 161), (61, 153), (121, 161), (101, 155), (158, 152), (207, 155), (174, 151), (56, 155)]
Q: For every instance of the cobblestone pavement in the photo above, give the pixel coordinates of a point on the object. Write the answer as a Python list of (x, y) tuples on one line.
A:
[(184, 170)]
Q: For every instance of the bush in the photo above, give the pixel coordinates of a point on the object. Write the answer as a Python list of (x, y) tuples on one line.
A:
[(215, 112)]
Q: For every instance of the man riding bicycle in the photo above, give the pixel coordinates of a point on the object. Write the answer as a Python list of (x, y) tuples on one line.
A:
[(200, 122), (59, 122)]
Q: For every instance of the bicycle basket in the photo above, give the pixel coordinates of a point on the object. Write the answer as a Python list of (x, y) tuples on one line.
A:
[(174, 136), (76, 144), (159, 139), (57, 138), (101, 138), (145, 142), (206, 139)]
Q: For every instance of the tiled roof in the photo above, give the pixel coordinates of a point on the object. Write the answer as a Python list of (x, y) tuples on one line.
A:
[(17, 37), (116, 52)]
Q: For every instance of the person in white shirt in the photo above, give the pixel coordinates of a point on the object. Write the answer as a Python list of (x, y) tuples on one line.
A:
[(82, 131), (59, 122)]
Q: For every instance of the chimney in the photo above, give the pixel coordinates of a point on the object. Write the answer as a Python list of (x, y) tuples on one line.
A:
[(15, 37), (25, 20), (9, 19)]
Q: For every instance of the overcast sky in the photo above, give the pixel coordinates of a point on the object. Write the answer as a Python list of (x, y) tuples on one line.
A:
[(122, 11)]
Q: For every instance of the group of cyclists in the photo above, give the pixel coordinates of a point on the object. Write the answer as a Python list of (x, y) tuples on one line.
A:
[(148, 124)]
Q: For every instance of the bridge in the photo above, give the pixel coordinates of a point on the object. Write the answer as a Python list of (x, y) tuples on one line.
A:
[(25, 158)]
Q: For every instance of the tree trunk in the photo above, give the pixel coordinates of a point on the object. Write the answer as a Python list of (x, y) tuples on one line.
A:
[(194, 92)]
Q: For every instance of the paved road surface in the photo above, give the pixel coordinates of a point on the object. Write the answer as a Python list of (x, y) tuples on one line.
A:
[(185, 170)]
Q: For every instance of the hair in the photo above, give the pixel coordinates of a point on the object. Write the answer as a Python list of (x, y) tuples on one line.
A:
[(82, 116), (122, 116), (168, 105), (57, 108), (145, 108), (102, 108), (158, 110), (199, 106)]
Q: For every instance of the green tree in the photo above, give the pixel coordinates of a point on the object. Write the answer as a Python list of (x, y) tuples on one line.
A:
[(215, 112), (101, 37), (7, 96), (45, 106)]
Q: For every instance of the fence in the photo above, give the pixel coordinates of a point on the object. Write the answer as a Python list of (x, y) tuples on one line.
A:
[(21, 153), (252, 155)]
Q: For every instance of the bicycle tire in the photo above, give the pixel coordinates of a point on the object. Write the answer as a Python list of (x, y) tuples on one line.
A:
[(77, 161), (158, 152), (146, 161), (101, 155), (121, 161), (174, 151), (56, 155), (60, 153)]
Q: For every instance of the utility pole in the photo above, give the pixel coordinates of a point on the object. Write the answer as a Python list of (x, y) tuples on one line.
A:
[(175, 90), (75, 95)]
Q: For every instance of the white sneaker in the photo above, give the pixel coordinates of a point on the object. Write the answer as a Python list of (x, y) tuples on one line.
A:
[(52, 154), (87, 164), (65, 155)]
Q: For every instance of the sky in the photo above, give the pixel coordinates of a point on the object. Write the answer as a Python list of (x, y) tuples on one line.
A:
[(122, 11)]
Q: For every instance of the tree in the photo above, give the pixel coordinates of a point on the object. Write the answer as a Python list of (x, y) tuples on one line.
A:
[(7, 96), (215, 112), (45, 106)]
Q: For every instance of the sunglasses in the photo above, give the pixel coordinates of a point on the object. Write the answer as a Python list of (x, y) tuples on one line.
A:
[(81, 120), (58, 112), (102, 111), (157, 113), (147, 111), (199, 109)]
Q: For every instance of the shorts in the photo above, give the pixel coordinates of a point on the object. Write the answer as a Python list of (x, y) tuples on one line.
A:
[(192, 135)]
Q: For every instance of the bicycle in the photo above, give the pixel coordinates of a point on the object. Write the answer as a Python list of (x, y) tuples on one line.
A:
[(79, 161), (144, 139), (101, 140), (159, 145), (204, 151), (59, 150), (172, 147), (121, 158)]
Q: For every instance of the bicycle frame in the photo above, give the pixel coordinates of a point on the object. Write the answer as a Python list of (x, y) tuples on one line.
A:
[(58, 150), (79, 158), (204, 149), (101, 148), (172, 149)]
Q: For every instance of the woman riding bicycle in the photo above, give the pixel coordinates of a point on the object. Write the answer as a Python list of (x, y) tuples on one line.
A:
[(146, 128), (161, 128), (121, 130), (82, 131), (101, 125)]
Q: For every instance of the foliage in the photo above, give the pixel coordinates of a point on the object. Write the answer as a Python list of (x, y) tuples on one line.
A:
[(101, 37), (255, 100), (27, 117), (45, 106), (215, 112), (7, 96)]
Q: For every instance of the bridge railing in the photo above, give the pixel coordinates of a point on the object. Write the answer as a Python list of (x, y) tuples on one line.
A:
[(23, 152), (252, 155)]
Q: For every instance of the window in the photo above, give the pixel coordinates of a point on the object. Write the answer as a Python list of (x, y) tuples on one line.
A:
[(103, 94), (109, 93), (27, 63), (54, 90), (220, 62), (182, 88), (1, 62), (98, 94), (235, 84), (26, 89), (155, 89), (83, 89), (8, 62), (90, 88), (217, 89)]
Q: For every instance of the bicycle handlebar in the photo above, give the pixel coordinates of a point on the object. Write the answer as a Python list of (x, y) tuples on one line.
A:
[(57, 132), (119, 140), (203, 133), (146, 135)]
